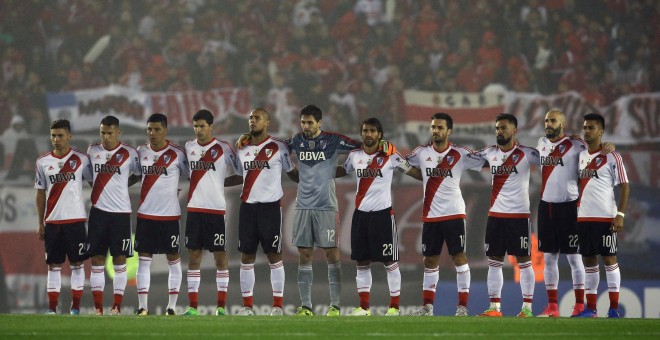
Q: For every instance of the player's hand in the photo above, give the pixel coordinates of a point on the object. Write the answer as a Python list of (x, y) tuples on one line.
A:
[(244, 139), (386, 147), (575, 137), (607, 148), (41, 232), (617, 224)]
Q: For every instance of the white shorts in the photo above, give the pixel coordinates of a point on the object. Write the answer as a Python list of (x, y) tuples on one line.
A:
[(315, 228)]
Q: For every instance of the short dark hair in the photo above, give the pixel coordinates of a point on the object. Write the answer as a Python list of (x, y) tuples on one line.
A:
[(61, 124), (158, 118), (597, 117), (446, 117), (375, 123), (205, 115), (110, 121), (312, 110), (508, 117)]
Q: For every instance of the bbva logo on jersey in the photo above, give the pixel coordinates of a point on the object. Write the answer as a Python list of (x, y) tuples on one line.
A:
[(311, 156)]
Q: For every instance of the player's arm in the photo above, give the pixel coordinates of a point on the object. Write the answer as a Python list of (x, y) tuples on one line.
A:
[(340, 171), (607, 148), (233, 180), (244, 139), (40, 201), (414, 172), (294, 175), (617, 224)]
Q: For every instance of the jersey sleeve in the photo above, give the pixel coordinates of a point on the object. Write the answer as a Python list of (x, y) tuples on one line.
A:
[(285, 158), (618, 169), (40, 177), (183, 165), (88, 174), (533, 156), (471, 160), (136, 168), (348, 164), (347, 144), (230, 160), (413, 158)]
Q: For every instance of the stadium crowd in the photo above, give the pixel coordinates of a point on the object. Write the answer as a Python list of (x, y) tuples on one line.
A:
[(348, 57)]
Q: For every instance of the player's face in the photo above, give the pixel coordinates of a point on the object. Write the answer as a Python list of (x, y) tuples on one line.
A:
[(156, 133), (555, 123), (60, 139), (258, 123), (504, 131), (370, 135), (202, 131), (109, 136), (310, 126), (439, 131), (592, 131)]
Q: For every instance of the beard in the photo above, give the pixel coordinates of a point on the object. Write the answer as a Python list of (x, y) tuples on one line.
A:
[(552, 133), (369, 142), (437, 139), (503, 141)]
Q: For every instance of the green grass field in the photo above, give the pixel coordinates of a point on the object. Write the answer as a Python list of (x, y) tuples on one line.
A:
[(176, 327)]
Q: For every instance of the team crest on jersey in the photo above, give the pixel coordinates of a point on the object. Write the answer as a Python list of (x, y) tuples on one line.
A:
[(269, 152), (450, 160), (60, 165), (214, 153), (379, 160), (166, 158), (119, 157), (515, 158), (312, 144), (598, 161), (155, 158), (202, 153), (439, 160), (73, 164), (108, 156), (323, 143), (504, 158)]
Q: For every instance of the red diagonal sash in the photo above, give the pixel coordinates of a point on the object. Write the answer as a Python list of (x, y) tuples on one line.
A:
[(252, 175), (57, 189), (103, 178), (500, 180), (547, 169), (591, 166), (197, 174), (364, 183), (433, 183), (150, 179)]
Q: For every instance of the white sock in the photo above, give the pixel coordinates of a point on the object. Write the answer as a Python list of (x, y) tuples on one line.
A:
[(363, 279), (463, 278), (120, 280), (193, 277), (577, 270), (222, 280), (174, 282), (97, 278), (591, 280), (277, 278), (54, 280), (77, 277), (613, 276), (247, 279), (551, 271), (143, 281), (394, 279), (431, 276), (527, 280), (495, 279)]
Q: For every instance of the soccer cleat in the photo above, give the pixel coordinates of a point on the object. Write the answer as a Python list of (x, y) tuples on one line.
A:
[(588, 313), (276, 311), (491, 312), (425, 310), (116, 310), (305, 311), (220, 311), (525, 313), (461, 311), (577, 309), (613, 314), (98, 311), (551, 311), (170, 311), (333, 311), (361, 312), (191, 312), (75, 312), (393, 312), (51, 312), (141, 311), (246, 311)]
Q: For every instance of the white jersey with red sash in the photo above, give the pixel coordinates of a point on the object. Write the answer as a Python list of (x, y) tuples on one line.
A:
[(599, 174), (111, 169), (510, 170), (209, 165), (374, 173), (261, 166), (63, 179), (559, 161), (161, 170), (441, 174)]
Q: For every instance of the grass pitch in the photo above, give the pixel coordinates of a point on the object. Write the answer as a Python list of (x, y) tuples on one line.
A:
[(176, 327)]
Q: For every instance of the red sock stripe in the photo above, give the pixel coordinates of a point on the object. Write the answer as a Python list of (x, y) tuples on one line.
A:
[(174, 262), (431, 270), (120, 270), (276, 265), (612, 267), (496, 264), (393, 267)]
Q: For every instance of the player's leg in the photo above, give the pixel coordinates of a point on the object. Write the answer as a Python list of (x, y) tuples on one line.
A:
[(98, 239), (517, 244), (360, 254), (270, 237), (612, 273), (194, 236), (432, 240), (495, 251), (215, 240), (455, 237), (570, 248), (145, 246), (221, 280), (171, 233), (248, 240), (326, 226), (588, 238), (548, 224), (304, 241), (55, 256), (75, 236), (385, 248), (119, 232)]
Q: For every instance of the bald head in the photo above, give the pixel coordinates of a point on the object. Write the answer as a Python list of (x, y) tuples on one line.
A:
[(555, 122)]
